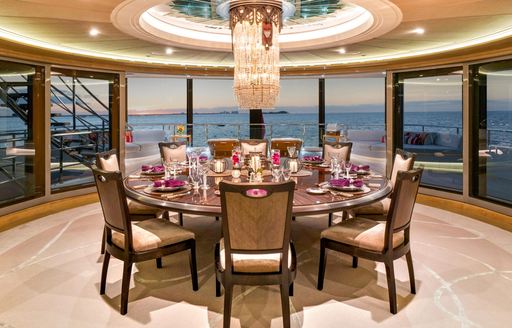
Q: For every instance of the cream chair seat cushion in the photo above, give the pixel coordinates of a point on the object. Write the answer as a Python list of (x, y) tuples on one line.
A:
[(363, 233), (254, 262), (377, 208), (152, 234)]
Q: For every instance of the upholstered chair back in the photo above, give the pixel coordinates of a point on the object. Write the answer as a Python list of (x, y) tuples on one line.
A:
[(283, 143), (173, 151), (113, 200), (344, 149), (403, 199), (256, 218), (404, 161), (253, 146), (107, 161), (222, 148)]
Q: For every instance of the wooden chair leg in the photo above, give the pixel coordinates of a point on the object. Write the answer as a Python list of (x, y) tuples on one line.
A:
[(291, 289), (355, 261), (180, 217), (159, 262), (330, 220), (103, 240), (217, 287), (125, 289), (390, 275), (285, 304), (193, 266), (104, 270), (321, 266), (410, 267), (228, 295)]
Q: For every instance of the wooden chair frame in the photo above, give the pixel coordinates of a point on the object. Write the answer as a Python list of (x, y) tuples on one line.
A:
[(228, 277), (222, 148), (389, 254), (283, 144), (127, 254)]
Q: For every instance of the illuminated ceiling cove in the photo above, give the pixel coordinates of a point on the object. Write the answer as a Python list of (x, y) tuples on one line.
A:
[(193, 33)]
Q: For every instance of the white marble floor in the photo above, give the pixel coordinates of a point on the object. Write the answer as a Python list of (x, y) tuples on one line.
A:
[(50, 270)]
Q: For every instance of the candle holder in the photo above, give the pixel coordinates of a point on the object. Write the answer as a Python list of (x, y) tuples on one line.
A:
[(219, 165)]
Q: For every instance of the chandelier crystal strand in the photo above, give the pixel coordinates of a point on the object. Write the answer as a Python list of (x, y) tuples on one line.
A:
[(255, 30)]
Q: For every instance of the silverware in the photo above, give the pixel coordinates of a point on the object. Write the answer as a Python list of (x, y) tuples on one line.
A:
[(172, 196)]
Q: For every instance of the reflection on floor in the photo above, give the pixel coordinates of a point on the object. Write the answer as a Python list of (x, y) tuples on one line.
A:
[(50, 269)]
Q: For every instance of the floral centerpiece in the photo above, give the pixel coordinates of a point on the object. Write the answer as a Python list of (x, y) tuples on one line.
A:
[(180, 129)]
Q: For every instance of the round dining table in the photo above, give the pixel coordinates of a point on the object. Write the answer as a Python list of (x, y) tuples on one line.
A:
[(207, 201)]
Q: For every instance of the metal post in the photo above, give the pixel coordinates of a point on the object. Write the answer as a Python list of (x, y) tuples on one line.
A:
[(190, 110), (321, 111)]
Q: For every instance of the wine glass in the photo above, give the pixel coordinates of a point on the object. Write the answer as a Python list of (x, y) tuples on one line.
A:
[(276, 174), (195, 178), (348, 166), (286, 173), (291, 151), (174, 166)]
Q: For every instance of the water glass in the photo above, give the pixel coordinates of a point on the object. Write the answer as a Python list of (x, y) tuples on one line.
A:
[(276, 174), (291, 151), (286, 174), (348, 166)]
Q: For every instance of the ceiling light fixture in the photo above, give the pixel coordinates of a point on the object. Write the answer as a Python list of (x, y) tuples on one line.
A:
[(94, 32), (255, 27), (419, 31), (169, 51), (342, 51)]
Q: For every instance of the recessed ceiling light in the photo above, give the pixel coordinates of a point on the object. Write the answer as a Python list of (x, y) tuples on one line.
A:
[(418, 30), (168, 51), (342, 51), (94, 32)]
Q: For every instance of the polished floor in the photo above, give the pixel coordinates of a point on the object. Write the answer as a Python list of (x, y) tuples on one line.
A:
[(50, 270)]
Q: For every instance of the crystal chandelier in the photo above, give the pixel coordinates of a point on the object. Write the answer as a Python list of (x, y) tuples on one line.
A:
[(255, 27)]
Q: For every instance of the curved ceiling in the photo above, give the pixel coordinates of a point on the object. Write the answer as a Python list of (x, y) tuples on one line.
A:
[(346, 32)]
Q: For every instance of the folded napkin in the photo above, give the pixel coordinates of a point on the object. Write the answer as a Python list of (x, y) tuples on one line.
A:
[(152, 169), (313, 158), (343, 182), (361, 168), (171, 183)]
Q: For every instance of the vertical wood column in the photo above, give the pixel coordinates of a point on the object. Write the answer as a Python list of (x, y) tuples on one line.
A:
[(256, 121), (393, 127)]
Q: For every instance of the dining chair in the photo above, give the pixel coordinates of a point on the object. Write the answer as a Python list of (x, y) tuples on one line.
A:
[(134, 242), (222, 148), (108, 161), (341, 149), (173, 151), (248, 146), (283, 143), (256, 247), (404, 161), (375, 240)]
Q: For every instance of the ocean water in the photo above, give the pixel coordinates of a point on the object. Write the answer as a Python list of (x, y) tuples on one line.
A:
[(301, 125)]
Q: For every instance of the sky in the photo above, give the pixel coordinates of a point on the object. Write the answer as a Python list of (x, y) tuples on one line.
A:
[(163, 95)]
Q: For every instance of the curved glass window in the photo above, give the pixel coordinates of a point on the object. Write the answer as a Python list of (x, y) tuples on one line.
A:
[(491, 121), (21, 132), (428, 122)]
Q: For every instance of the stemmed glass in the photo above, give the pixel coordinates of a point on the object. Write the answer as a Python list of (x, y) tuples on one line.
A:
[(291, 151), (203, 171), (348, 166), (174, 166), (276, 173), (286, 173), (195, 177)]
